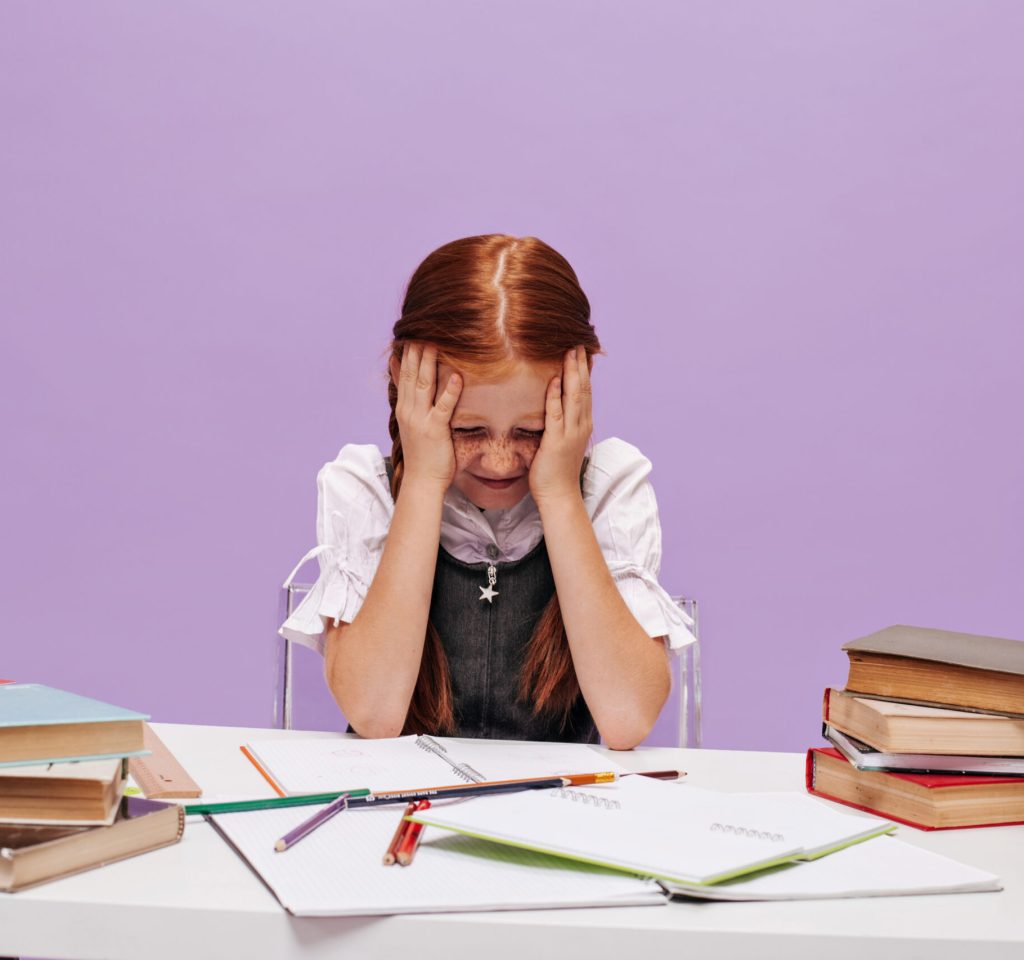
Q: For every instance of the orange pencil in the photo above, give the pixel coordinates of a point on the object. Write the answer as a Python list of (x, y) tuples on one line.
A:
[(266, 776)]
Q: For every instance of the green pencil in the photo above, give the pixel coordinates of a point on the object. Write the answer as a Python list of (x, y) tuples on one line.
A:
[(271, 803)]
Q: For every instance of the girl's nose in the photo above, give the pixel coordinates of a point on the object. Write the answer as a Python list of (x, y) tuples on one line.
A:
[(499, 458)]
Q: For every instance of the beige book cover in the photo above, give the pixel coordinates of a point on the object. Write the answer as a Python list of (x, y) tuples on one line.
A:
[(35, 854), (999, 654)]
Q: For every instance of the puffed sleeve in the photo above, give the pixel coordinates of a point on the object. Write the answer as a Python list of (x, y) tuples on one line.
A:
[(622, 507), (354, 510)]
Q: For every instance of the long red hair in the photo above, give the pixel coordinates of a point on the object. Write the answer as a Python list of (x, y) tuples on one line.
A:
[(488, 302)]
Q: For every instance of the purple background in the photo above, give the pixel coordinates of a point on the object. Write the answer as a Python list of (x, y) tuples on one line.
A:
[(799, 225)]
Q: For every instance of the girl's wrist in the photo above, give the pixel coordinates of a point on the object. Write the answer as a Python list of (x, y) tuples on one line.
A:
[(559, 498), (425, 487)]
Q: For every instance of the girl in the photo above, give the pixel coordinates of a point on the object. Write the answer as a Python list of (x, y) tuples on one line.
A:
[(488, 579)]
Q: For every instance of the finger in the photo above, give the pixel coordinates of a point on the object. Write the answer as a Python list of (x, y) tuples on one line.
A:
[(410, 362), (583, 366), (584, 406), (407, 377), (426, 376), (553, 416), (449, 397), (571, 381)]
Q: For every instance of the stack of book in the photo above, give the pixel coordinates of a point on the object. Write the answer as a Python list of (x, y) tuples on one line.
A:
[(63, 771), (929, 729)]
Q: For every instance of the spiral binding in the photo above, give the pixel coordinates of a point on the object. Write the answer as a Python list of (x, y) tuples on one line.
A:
[(463, 770), (587, 799), (737, 831)]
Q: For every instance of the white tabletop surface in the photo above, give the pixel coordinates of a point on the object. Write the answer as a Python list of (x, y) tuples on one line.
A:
[(197, 899)]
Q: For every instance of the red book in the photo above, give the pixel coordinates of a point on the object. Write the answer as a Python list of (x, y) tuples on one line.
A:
[(926, 801)]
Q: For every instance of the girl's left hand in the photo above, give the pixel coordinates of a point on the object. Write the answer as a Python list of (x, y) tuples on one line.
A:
[(568, 423)]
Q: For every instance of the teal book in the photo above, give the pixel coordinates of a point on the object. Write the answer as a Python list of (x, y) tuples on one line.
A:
[(40, 724)]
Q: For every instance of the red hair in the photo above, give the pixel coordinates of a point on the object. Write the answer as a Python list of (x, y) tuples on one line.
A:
[(488, 302)]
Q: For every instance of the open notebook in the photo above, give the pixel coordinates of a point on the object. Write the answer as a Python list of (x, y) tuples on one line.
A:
[(337, 870), (880, 867), (671, 831), (319, 765)]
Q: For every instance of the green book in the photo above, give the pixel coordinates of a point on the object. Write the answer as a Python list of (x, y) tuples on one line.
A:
[(40, 724)]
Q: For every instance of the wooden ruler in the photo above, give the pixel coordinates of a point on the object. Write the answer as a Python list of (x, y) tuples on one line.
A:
[(159, 774)]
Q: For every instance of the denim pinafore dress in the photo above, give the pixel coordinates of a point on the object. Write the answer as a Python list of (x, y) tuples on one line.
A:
[(485, 643)]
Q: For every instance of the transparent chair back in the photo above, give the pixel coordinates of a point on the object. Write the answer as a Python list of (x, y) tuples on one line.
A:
[(690, 729), (687, 665)]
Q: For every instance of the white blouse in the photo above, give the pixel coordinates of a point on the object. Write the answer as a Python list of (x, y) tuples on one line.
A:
[(354, 510)]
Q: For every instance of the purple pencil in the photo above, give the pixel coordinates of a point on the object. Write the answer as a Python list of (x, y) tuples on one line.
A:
[(308, 826)]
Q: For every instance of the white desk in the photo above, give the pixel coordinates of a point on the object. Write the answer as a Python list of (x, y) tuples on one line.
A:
[(197, 899)]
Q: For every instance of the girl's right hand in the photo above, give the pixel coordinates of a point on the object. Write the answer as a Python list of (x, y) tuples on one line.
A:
[(423, 422)]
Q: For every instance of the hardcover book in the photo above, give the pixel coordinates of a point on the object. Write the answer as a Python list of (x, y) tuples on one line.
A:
[(927, 801), (864, 757), (34, 854), (40, 724), (85, 793), (939, 668), (893, 727)]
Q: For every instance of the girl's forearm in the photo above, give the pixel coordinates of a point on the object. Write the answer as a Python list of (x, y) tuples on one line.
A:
[(371, 664), (622, 672)]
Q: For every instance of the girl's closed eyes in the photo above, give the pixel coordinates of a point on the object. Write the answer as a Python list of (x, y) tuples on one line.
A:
[(482, 431)]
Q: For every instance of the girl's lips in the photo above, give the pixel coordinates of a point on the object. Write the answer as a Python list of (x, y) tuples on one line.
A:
[(497, 484)]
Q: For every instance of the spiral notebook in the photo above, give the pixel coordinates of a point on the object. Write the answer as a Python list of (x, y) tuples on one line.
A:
[(337, 870), (320, 765), (879, 867), (671, 831)]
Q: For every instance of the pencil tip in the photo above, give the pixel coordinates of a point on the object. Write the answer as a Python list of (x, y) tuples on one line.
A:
[(280, 846)]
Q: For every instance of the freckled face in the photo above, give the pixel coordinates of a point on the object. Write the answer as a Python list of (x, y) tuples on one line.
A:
[(496, 430)]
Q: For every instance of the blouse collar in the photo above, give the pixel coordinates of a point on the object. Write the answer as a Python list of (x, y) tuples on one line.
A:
[(473, 535)]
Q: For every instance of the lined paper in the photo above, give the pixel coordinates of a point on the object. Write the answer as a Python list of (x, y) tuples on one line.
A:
[(672, 831), (319, 765), (882, 867), (337, 870)]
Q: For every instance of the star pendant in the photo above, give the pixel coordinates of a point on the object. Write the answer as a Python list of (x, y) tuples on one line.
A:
[(488, 593)]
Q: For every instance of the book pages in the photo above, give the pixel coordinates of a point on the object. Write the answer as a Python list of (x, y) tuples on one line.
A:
[(321, 765), (337, 870), (881, 867), (671, 831)]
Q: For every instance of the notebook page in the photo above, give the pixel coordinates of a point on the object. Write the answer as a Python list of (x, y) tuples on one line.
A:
[(509, 759), (647, 826), (813, 823), (337, 870), (320, 765), (881, 867)]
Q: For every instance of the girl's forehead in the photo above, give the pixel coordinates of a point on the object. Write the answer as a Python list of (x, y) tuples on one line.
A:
[(516, 396)]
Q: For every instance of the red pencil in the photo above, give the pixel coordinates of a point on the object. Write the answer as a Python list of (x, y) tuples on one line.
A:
[(400, 832), (411, 840)]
